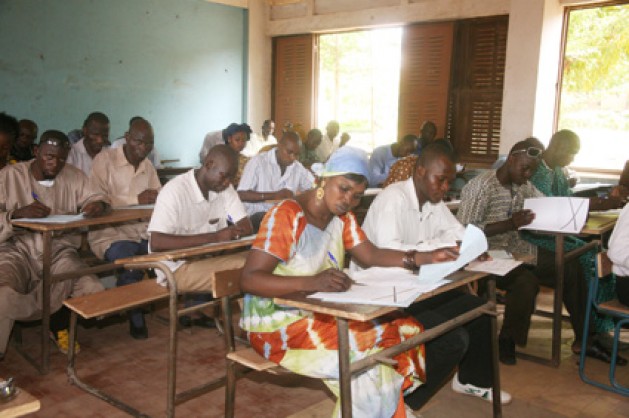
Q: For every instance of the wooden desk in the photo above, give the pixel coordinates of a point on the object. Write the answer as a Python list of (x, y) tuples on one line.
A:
[(344, 312), (155, 260), (600, 223), (47, 230), (24, 403)]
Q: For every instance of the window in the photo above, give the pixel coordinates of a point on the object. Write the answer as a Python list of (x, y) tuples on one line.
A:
[(594, 100)]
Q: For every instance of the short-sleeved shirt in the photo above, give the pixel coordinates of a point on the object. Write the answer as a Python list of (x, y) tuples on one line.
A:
[(301, 249), (181, 209), (485, 201), (114, 176), (263, 174), (79, 157)]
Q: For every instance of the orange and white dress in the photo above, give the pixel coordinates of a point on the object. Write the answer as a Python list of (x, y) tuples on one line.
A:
[(305, 342)]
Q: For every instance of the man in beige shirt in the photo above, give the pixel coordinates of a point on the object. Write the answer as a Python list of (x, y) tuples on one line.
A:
[(127, 177), (35, 189)]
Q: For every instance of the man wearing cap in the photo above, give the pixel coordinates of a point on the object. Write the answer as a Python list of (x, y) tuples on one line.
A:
[(273, 175), (35, 189)]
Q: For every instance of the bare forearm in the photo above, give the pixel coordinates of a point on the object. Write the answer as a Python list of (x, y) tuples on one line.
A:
[(269, 285), (499, 228), (251, 196), (167, 242)]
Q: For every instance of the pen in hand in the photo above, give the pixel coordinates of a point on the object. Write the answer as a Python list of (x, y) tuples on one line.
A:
[(336, 266), (35, 197)]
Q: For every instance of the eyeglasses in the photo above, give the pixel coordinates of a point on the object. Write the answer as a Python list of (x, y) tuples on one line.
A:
[(532, 152), (56, 142)]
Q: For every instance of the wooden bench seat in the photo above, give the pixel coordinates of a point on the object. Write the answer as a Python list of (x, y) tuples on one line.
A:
[(250, 358), (117, 299)]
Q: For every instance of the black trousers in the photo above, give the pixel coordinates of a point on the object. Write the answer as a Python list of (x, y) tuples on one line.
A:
[(522, 287), (467, 347), (622, 289)]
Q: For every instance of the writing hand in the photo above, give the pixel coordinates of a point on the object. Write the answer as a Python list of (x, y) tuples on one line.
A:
[(35, 210), (331, 280), (147, 197), (522, 217)]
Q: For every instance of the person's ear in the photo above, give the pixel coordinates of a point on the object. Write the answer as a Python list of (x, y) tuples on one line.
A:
[(420, 171)]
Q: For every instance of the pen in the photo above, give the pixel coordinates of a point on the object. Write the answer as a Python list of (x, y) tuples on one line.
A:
[(334, 262), (230, 220), (34, 195)]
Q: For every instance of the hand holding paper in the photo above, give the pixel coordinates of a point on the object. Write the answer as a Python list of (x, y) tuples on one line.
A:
[(557, 214)]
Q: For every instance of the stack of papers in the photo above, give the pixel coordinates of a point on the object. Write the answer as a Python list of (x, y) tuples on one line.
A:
[(54, 219)]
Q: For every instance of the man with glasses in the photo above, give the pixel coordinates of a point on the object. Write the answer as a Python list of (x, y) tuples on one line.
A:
[(493, 201), (127, 177)]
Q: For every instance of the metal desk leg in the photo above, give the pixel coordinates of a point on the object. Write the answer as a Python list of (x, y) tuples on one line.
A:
[(558, 300), (497, 404), (345, 375), (46, 283)]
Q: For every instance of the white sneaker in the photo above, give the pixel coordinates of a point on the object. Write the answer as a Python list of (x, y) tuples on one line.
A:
[(483, 393), (410, 413)]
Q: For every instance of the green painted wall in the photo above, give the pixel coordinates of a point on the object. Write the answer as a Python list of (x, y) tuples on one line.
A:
[(178, 63)]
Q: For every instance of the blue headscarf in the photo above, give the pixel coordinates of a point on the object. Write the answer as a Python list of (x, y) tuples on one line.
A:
[(345, 161)]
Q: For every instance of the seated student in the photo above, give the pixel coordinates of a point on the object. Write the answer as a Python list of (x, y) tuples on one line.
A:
[(95, 138), (493, 201), (618, 253), (35, 189), (153, 156), (384, 156), (299, 247), (427, 135), (273, 175), (22, 149), (8, 133), (330, 142), (196, 208), (262, 140), (411, 216), (550, 179), (307, 154), (126, 176), (236, 136)]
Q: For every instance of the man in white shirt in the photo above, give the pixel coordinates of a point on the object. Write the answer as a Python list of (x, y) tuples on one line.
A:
[(153, 156), (95, 138), (258, 141), (330, 142), (619, 255), (411, 215), (273, 175), (200, 207), (126, 177)]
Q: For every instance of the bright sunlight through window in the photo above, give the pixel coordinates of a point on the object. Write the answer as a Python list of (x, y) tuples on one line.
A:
[(595, 87), (359, 83)]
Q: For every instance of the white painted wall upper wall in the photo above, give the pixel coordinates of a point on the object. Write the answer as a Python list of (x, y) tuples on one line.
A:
[(179, 64)]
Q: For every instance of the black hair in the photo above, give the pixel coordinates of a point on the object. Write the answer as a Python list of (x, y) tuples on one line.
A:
[(525, 144), (234, 128), (435, 149), (9, 125), (99, 117), (408, 138), (58, 137), (358, 178), (133, 119)]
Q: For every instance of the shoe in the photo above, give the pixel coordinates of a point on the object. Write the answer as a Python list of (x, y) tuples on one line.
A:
[(506, 350), (203, 321), (597, 351), (138, 333), (483, 393), (410, 413), (62, 341)]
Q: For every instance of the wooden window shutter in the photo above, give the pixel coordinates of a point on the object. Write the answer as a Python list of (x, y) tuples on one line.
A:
[(475, 107), (294, 84), (425, 76)]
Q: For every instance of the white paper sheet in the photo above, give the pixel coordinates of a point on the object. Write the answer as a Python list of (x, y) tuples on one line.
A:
[(474, 244), (54, 219), (498, 266), (147, 206), (557, 214)]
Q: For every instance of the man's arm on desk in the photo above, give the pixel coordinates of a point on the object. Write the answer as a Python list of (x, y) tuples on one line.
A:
[(253, 196), (161, 241)]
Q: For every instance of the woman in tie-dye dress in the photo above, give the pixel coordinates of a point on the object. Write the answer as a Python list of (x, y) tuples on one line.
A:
[(299, 247)]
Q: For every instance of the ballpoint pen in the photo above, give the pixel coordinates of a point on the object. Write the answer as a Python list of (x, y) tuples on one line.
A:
[(230, 220), (34, 195), (336, 266)]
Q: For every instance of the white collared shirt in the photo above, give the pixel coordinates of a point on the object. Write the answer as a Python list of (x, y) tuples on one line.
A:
[(618, 250), (396, 221), (263, 174), (256, 143), (181, 209), (79, 157)]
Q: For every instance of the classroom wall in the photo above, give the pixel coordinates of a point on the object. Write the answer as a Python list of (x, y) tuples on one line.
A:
[(180, 64)]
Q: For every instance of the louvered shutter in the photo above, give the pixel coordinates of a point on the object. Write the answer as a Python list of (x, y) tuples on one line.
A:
[(475, 106), (293, 82), (425, 76)]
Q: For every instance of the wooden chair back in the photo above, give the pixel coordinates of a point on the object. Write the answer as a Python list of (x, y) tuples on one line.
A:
[(603, 265), (227, 283)]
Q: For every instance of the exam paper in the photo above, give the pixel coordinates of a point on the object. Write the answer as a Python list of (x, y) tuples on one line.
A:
[(54, 219), (498, 266), (147, 206), (474, 244), (557, 214)]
